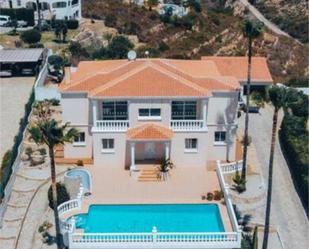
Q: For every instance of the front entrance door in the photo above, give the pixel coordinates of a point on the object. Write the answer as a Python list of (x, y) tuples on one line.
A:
[(150, 151)]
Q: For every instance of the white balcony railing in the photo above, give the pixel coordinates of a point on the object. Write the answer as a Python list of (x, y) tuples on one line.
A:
[(188, 125), (111, 125)]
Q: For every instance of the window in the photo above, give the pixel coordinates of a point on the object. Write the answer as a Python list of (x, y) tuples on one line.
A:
[(220, 136), (191, 144), (115, 110), (57, 5), (18, 2), (151, 113), (74, 2), (80, 140), (184, 110), (107, 144)]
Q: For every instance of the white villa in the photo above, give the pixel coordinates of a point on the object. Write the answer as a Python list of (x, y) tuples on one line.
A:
[(132, 112), (60, 9)]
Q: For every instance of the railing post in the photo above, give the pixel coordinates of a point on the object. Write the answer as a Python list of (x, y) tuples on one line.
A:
[(154, 234)]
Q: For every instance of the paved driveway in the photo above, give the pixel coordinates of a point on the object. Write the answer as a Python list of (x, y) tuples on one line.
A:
[(14, 94), (287, 213)]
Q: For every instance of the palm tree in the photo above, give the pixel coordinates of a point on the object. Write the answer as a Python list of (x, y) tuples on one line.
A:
[(280, 97), (50, 133), (165, 166), (251, 30)]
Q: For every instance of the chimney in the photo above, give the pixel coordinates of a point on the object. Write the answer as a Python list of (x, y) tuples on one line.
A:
[(67, 75)]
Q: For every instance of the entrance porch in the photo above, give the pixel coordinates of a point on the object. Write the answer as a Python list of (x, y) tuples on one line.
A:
[(148, 144)]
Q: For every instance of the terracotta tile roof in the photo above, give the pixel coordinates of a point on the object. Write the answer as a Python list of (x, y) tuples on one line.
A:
[(238, 67), (148, 78), (149, 131)]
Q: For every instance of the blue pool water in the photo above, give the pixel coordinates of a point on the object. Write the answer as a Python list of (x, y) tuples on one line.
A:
[(142, 218)]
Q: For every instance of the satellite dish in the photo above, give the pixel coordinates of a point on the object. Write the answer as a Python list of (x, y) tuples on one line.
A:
[(131, 55)]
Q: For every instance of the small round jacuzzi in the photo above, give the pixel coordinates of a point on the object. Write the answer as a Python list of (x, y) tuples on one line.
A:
[(75, 178)]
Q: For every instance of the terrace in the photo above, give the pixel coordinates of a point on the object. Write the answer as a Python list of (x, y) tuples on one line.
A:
[(185, 185)]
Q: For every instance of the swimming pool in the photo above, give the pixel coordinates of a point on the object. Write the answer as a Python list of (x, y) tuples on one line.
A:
[(142, 218)]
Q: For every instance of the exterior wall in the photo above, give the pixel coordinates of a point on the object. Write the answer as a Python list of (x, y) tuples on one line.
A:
[(222, 116), (181, 158), (134, 105), (68, 12), (77, 150), (117, 158), (75, 110)]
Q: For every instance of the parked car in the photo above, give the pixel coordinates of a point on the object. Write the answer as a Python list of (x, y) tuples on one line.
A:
[(22, 23), (5, 20)]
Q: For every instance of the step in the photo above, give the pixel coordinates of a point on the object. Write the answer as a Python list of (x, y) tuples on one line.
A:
[(149, 173), (148, 177), (148, 180)]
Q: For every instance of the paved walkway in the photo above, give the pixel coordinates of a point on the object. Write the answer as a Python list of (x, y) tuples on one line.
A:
[(27, 206), (14, 94), (287, 213)]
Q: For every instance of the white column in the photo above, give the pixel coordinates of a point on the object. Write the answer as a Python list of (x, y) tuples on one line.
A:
[(94, 112), (167, 151), (132, 167), (204, 110)]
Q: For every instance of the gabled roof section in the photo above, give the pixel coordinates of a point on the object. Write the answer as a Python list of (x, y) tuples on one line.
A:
[(237, 66), (148, 78), (149, 131)]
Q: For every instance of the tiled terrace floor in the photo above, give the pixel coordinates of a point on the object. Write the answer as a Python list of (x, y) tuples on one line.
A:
[(185, 185)]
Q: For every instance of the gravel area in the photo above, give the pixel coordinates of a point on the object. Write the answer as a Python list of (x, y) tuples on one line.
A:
[(287, 212), (14, 94)]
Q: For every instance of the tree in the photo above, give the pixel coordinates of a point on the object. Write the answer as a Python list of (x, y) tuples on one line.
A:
[(31, 36), (49, 132), (165, 166), (119, 47), (280, 97), (55, 66), (62, 195), (251, 30), (38, 7)]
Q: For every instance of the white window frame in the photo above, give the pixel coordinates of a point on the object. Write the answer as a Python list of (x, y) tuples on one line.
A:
[(191, 150), (220, 142), (79, 141), (149, 117), (109, 149)]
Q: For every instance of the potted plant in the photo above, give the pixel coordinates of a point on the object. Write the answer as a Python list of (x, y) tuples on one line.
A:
[(165, 166)]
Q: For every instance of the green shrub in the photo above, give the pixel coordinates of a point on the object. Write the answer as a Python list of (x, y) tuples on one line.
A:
[(62, 195), (42, 152), (239, 182), (30, 36), (20, 14), (110, 20), (119, 47), (72, 24), (294, 138), (54, 102)]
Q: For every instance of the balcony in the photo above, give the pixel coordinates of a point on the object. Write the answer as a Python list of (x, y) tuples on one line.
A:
[(188, 125), (111, 125)]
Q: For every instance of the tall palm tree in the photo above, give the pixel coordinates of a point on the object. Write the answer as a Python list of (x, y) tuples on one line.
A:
[(251, 30), (280, 97), (50, 133)]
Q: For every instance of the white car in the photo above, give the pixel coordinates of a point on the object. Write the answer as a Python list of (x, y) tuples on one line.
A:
[(5, 20)]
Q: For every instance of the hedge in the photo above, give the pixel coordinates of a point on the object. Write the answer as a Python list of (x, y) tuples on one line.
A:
[(294, 143), (71, 24), (62, 195), (10, 156), (20, 14)]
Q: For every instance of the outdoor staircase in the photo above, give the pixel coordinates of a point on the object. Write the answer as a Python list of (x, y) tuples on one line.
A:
[(148, 175)]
